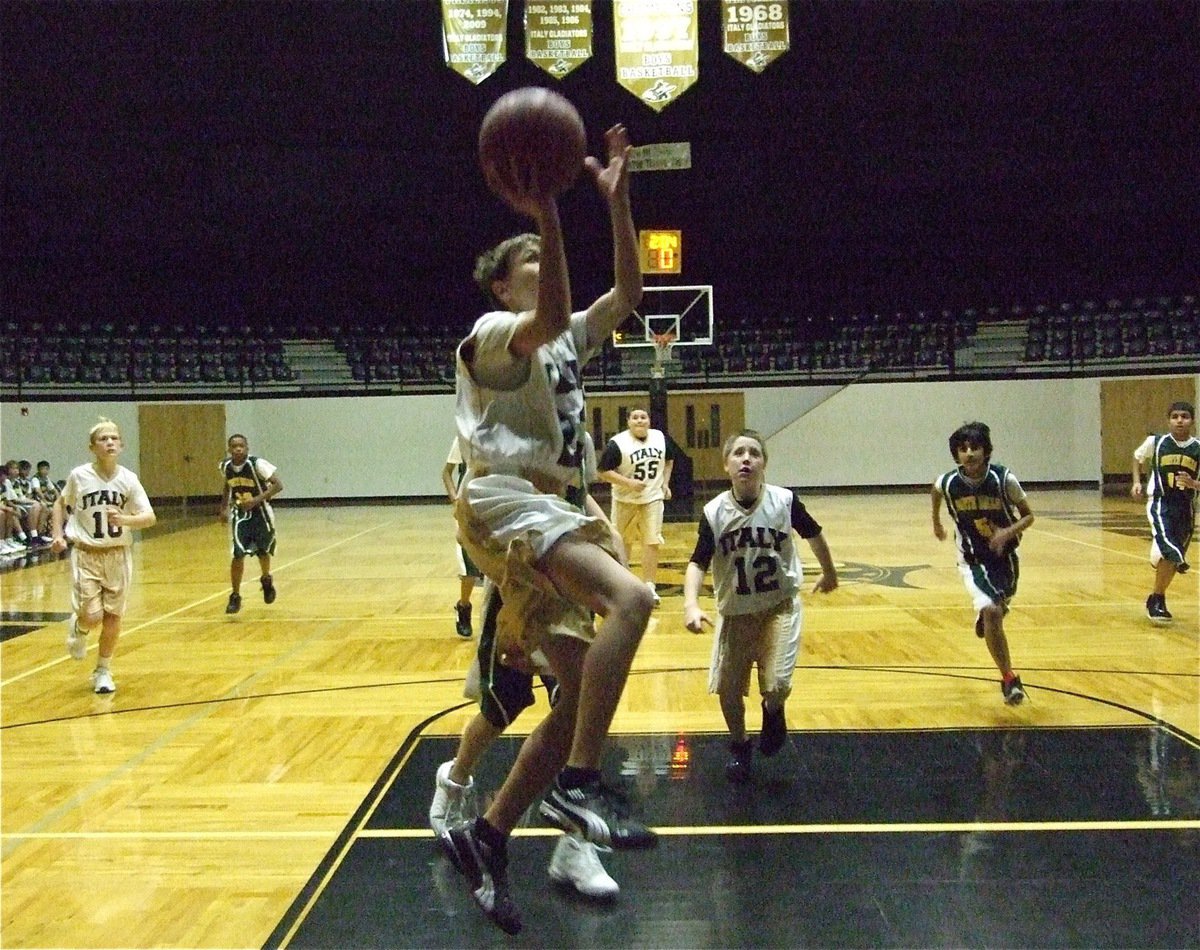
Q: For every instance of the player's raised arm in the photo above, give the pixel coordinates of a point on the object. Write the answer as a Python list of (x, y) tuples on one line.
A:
[(612, 181)]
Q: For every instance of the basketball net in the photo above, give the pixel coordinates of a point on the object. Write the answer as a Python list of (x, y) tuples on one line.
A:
[(664, 344)]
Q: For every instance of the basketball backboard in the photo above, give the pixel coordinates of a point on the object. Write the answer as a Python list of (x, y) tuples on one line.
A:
[(685, 311)]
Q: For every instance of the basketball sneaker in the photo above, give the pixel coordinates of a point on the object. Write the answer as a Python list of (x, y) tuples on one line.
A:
[(462, 620), (737, 769), (774, 730), (76, 641), (1013, 691), (234, 605), (486, 871), (268, 586), (1156, 608), (449, 800), (102, 681), (576, 862), (598, 814)]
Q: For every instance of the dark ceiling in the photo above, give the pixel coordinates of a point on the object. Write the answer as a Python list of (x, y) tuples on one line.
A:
[(268, 159)]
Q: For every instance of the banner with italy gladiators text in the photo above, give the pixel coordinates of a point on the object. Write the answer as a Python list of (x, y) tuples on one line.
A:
[(755, 31), (558, 34), (657, 48), (474, 37)]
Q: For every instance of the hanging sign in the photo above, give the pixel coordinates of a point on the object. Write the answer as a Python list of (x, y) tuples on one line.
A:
[(558, 35), (755, 31), (474, 36), (657, 48)]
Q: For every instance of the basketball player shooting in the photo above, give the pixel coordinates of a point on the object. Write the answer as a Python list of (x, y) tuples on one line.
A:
[(520, 420)]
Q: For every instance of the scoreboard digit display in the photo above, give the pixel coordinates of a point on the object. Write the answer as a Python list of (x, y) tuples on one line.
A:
[(662, 251)]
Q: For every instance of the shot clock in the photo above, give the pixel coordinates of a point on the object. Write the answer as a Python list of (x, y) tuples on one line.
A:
[(662, 251)]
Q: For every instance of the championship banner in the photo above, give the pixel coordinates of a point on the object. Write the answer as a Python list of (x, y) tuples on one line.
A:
[(756, 31), (657, 48), (558, 36), (474, 36)]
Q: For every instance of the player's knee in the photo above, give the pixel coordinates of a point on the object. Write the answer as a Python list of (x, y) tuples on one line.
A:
[(633, 599), (90, 617)]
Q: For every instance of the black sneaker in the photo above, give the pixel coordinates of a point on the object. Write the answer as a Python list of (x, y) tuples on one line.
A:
[(774, 731), (1156, 608), (598, 814), (268, 586), (234, 605), (486, 872), (1014, 692), (737, 769), (462, 623)]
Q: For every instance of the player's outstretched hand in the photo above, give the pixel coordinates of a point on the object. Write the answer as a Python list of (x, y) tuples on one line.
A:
[(612, 179)]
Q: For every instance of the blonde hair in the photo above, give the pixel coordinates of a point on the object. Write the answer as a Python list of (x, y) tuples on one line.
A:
[(102, 424)]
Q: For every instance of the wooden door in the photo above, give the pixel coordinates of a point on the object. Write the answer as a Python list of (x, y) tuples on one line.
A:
[(181, 445), (1130, 410)]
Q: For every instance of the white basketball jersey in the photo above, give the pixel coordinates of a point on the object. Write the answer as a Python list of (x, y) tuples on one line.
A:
[(755, 565), (644, 460), (523, 413), (89, 496)]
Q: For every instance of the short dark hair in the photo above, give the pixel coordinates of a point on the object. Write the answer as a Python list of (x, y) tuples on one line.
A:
[(43, 462), (1184, 405), (237, 435), (971, 433)]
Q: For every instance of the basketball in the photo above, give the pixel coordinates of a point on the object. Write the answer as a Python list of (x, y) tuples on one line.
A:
[(531, 144)]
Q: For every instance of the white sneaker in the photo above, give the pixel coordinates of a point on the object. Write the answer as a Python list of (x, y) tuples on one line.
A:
[(577, 862), (102, 681), (449, 800), (76, 641), (654, 593), (8, 547)]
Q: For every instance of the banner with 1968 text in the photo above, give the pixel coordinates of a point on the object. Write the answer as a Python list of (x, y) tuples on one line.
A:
[(755, 31)]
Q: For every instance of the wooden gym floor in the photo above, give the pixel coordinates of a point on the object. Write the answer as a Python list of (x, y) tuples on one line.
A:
[(262, 780)]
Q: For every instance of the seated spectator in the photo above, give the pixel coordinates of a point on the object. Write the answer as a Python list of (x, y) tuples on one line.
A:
[(28, 511), (28, 485), (10, 531)]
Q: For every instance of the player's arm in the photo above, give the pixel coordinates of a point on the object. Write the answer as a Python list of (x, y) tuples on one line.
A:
[(448, 481), (1140, 454), (1135, 489), (936, 498), (607, 468), (829, 579), (668, 468), (553, 312), (693, 577), (612, 181), (58, 518), (223, 514), (274, 487), (693, 617), (1001, 539)]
